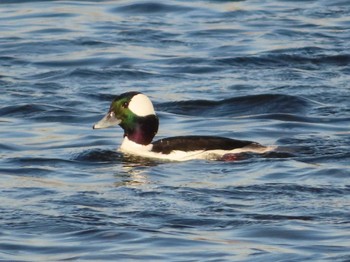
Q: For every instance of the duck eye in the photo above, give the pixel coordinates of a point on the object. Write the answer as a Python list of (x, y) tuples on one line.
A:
[(125, 104)]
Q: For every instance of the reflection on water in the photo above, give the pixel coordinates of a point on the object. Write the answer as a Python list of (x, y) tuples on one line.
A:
[(134, 177)]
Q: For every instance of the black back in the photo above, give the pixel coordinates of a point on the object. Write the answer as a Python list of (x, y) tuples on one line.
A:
[(192, 143)]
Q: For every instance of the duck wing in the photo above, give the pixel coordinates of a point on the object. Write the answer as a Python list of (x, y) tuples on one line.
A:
[(194, 143)]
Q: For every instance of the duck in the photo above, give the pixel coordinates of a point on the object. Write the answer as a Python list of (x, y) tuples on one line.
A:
[(134, 113)]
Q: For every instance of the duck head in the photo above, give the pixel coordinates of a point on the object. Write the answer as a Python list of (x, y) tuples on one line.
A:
[(134, 112)]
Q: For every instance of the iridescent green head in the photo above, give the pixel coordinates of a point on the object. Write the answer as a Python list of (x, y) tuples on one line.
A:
[(134, 112)]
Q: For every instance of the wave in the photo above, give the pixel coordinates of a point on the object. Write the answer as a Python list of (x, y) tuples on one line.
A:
[(238, 106), (297, 58), (42, 112), (98, 155), (150, 7)]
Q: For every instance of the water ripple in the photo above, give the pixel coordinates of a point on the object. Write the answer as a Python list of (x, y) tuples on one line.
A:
[(274, 71), (238, 106), (150, 8)]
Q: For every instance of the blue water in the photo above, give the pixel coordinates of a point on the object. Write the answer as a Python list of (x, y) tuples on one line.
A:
[(276, 72)]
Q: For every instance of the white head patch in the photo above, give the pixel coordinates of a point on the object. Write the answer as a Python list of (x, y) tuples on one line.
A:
[(141, 105)]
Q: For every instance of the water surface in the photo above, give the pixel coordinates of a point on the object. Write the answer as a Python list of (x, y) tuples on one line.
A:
[(275, 72)]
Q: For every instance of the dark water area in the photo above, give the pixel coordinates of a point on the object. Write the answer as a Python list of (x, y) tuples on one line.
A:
[(276, 72)]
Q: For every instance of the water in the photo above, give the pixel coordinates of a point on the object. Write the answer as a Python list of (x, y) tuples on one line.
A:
[(275, 72)]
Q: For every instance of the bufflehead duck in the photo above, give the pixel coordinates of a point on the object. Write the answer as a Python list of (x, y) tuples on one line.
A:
[(134, 112)]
